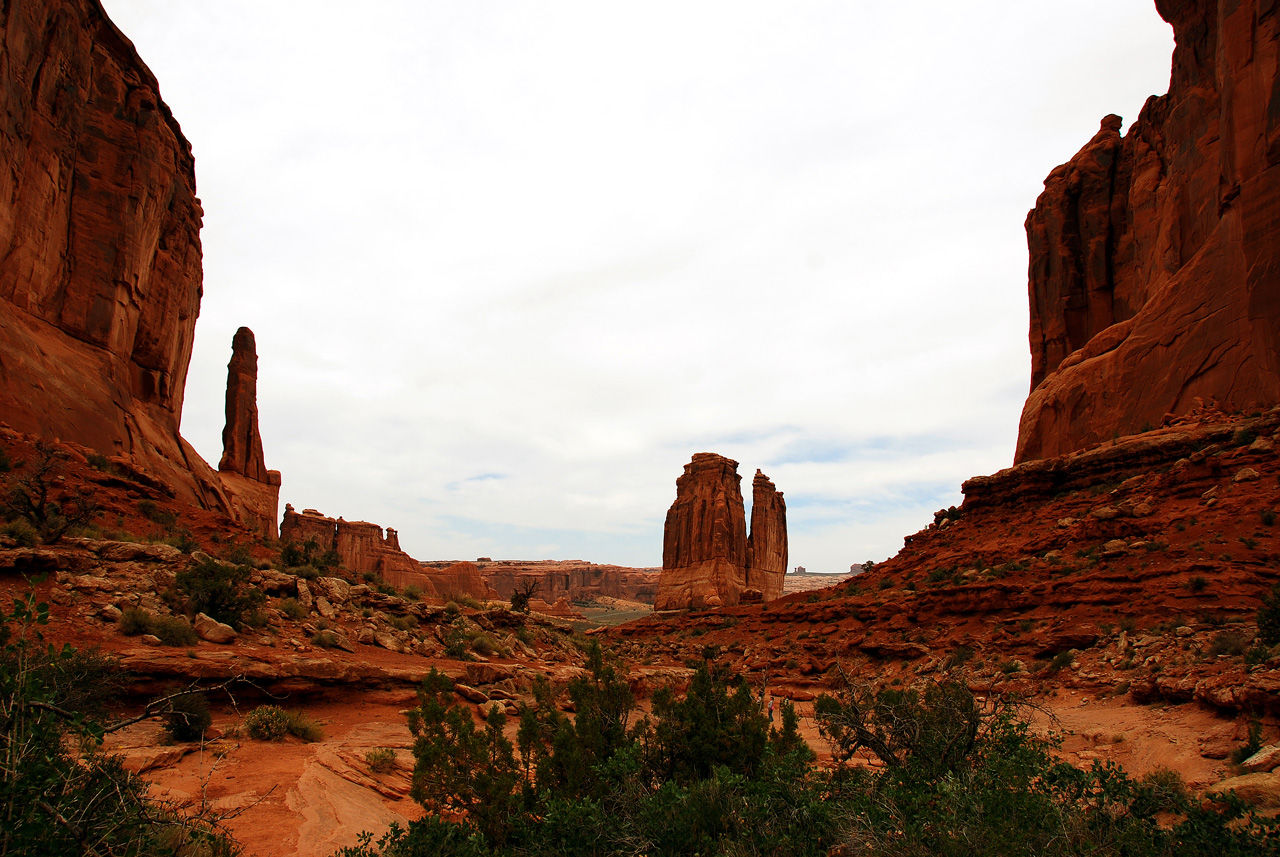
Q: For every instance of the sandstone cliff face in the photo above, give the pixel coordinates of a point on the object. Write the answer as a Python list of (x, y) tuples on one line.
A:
[(364, 549), (1155, 265), (767, 544), (253, 489), (100, 265), (705, 561)]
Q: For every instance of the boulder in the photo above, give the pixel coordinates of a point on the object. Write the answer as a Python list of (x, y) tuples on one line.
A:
[(1265, 760), (212, 630)]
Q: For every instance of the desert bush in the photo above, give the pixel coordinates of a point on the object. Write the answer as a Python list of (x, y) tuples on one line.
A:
[(272, 723), (267, 723), (1197, 584), (291, 608), (325, 639), (413, 592), (523, 594), (381, 760), (188, 717), (171, 630), (403, 623), (309, 553), (21, 532), (1229, 643), (217, 589)]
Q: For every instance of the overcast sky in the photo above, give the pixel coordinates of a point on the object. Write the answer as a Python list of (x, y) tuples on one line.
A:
[(510, 264)]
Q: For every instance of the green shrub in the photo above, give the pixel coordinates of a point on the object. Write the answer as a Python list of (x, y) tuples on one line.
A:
[(1268, 517), (403, 623), (484, 645), (302, 727), (267, 723), (217, 589), (272, 723), (171, 630), (291, 608), (1197, 584), (413, 592), (6, 463), (309, 553), (325, 639), (188, 717), (306, 572), (21, 532), (381, 760)]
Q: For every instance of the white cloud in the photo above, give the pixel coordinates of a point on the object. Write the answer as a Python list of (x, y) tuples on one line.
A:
[(569, 244)]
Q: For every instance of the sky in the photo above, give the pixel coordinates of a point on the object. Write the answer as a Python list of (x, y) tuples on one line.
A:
[(511, 264)]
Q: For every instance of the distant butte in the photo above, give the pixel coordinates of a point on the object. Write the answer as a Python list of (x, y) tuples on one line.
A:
[(708, 560)]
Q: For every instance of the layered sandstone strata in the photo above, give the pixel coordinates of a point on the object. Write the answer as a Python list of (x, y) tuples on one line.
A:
[(573, 580), (254, 490), (705, 559), (1154, 259)]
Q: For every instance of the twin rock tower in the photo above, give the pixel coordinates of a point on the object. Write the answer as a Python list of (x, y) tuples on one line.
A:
[(708, 559)]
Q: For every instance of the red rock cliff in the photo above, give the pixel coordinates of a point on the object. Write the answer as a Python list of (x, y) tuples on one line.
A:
[(1155, 257), (100, 261), (767, 544)]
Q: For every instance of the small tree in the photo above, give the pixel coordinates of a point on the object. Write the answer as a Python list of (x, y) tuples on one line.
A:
[(34, 495), (523, 594)]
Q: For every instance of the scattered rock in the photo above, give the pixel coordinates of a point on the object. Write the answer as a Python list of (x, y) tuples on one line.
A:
[(1265, 760), (213, 631), (1246, 474), (1261, 789)]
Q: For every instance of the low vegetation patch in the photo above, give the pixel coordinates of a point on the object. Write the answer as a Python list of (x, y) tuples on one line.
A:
[(272, 723), (171, 630)]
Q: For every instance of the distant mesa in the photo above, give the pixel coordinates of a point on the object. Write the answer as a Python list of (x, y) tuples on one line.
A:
[(708, 559), (1154, 275), (571, 580)]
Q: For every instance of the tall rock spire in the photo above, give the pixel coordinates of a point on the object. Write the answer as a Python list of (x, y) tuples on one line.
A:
[(767, 544), (254, 490), (241, 442)]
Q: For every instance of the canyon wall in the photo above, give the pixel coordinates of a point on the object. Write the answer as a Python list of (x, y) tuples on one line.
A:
[(705, 556), (572, 580), (100, 258), (1154, 274)]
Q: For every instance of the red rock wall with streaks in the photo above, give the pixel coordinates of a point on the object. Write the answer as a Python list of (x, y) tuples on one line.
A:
[(100, 263), (1154, 274)]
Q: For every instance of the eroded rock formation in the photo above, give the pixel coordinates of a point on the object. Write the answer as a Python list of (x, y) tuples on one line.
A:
[(254, 490), (767, 544), (100, 266), (364, 550), (705, 559), (1155, 265), (100, 258)]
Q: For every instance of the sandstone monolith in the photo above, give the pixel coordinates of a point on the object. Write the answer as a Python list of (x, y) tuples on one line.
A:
[(254, 490), (705, 557), (767, 544)]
